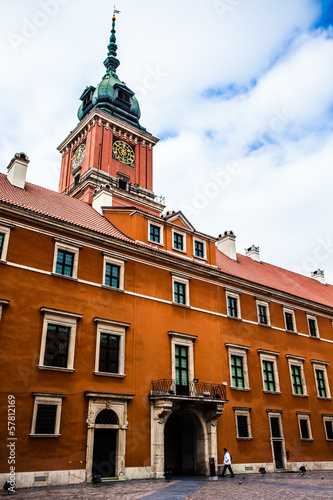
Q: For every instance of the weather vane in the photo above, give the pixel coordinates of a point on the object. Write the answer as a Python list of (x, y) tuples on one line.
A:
[(115, 11)]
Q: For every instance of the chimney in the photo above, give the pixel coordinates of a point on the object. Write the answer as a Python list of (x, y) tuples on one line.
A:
[(319, 275), (102, 197), (227, 244), (253, 252), (17, 170)]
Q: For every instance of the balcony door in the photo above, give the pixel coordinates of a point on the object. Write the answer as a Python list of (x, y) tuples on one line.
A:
[(181, 366)]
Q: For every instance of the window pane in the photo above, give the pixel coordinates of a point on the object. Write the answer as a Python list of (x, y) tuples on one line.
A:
[(329, 428), (112, 275), (237, 371), (312, 327), (232, 307), (321, 383), (296, 379), (154, 233), (275, 427), (242, 425), (289, 321), (64, 263), (304, 424), (269, 381), (262, 314), (109, 353), (56, 346), (198, 249), (178, 241), (45, 419), (179, 293)]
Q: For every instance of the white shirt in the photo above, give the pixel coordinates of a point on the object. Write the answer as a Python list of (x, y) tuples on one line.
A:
[(227, 458)]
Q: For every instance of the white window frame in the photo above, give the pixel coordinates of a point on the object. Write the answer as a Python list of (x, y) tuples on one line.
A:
[(272, 357), (321, 365), (184, 240), (241, 351), (237, 297), (61, 318), (47, 399), (184, 281), (297, 361), (327, 418), (161, 242), (110, 259), (111, 327), (292, 312), (312, 317), (247, 413), (5, 229), (304, 416), (199, 240), (67, 247), (265, 304), (185, 340)]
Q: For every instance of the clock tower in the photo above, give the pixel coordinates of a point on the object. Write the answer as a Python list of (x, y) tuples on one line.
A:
[(109, 151)]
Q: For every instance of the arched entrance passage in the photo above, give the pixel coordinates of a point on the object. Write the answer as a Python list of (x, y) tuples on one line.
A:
[(184, 444), (105, 444)]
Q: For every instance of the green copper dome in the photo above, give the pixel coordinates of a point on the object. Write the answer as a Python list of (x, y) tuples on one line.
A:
[(111, 94)]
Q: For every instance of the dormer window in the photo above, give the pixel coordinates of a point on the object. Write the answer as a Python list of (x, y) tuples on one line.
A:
[(123, 96)]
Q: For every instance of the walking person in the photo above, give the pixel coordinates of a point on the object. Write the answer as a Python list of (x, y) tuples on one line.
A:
[(227, 463)]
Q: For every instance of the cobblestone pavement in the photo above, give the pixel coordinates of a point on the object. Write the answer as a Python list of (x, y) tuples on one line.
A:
[(312, 486)]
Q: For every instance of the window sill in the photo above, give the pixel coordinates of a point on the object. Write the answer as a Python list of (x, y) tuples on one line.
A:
[(55, 369), (327, 399), (246, 389), (291, 331), (3, 261), (114, 289), (306, 439), (272, 392), (201, 259), (244, 438), (179, 251), (301, 395), (181, 305), (314, 337), (234, 317), (264, 324), (106, 374), (70, 278), (44, 435)]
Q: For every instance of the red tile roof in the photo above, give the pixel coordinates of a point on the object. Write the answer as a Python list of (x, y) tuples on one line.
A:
[(60, 207), (57, 206), (276, 278)]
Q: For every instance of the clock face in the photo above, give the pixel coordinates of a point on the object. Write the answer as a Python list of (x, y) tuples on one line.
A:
[(123, 152), (78, 156)]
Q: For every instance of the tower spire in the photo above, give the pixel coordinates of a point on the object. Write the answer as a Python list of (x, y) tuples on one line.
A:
[(111, 62)]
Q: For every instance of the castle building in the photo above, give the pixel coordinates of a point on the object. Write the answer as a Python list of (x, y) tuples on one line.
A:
[(134, 344)]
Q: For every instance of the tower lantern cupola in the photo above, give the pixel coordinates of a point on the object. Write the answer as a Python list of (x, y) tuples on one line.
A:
[(111, 94)]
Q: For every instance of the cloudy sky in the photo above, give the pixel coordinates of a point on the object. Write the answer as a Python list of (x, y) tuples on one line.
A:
[(239, 92)]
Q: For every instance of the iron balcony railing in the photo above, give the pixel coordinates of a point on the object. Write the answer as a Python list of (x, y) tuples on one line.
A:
[(193, 389)]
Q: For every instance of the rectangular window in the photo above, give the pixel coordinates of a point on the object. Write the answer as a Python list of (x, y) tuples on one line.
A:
[(58, 340), (112, 275), (268, 371), (296, 377), (181, 369), (179, 293), (232, 307), (262, 313), (313, 327), (242, 425), (304, 426), (289, 317), (46, 415), (320, 379), (178, 241), (275, 427), (56, 347), (65, 262), (155, 233), (199, 249), (328, 421), (237, 372), (46, 419), (109, 353), (110, 348)]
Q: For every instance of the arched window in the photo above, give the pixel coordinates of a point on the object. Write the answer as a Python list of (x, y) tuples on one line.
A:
[(107, 417)]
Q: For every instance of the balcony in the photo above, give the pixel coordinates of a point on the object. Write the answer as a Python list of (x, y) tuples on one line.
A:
[(198, 391)]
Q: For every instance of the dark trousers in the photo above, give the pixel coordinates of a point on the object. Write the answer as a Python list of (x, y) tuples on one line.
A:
[(230, 470)]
